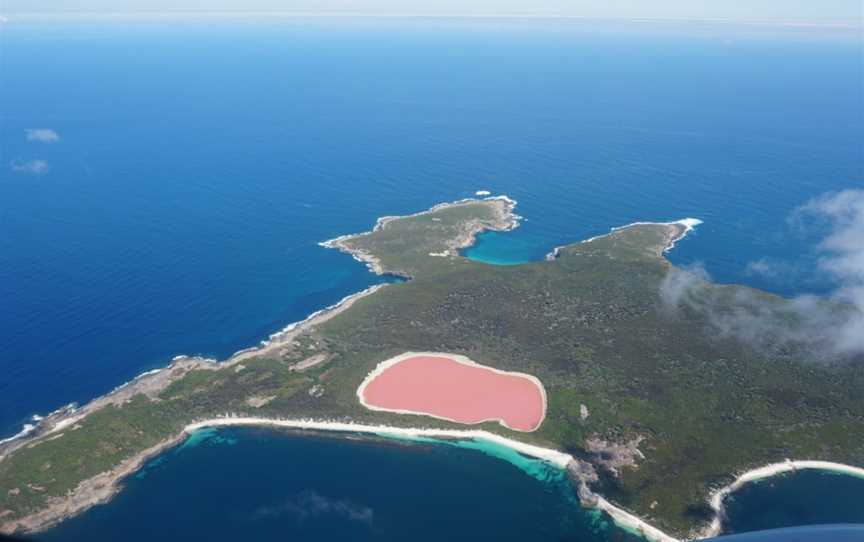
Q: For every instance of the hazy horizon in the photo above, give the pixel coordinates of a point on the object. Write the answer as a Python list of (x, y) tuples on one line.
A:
[(780, 11)]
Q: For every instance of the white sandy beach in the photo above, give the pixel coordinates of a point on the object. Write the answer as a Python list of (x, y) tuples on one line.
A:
[(554, 457), (630, 522)]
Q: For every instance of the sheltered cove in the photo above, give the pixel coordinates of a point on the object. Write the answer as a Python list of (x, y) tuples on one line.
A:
[(775, 469)]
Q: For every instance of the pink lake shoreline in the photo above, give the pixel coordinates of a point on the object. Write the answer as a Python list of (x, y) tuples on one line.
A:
[(454, 388)]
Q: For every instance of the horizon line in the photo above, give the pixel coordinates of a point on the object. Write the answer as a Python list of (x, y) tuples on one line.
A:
[(825, 24)]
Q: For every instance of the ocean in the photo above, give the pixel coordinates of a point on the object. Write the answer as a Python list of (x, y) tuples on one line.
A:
[(807, 497), (198, 163)]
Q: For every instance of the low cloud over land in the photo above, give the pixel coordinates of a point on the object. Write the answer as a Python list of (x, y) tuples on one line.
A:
[(828, 327)]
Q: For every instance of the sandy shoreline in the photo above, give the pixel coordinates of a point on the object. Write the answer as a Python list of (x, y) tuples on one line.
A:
[(386, 364), (760, 473), (554, 457), (632, 523)]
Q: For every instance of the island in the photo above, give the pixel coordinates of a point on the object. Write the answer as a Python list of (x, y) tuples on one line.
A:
[(653, 412)]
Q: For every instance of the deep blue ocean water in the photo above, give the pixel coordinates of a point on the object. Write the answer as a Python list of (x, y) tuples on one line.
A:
[(804, 498), (200, 163)]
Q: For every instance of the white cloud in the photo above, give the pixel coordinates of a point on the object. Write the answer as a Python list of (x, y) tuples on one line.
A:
[(773, 269), (42, 135), (843, 258), (826, 327), (31, 167), (681, 282)]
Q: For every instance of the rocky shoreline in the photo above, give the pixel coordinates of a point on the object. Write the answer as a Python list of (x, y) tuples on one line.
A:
[(506, 220), (96, 490), (677, 230), (152, 383)]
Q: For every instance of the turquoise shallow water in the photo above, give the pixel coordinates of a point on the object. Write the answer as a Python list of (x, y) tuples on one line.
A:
[(198, 166)]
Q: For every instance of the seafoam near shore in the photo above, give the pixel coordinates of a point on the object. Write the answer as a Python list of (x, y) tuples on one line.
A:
[(26, 430)]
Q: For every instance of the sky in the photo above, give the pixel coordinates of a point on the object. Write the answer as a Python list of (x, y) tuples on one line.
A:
[(816, 11)]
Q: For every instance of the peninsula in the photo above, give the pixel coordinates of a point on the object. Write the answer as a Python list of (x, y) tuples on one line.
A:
[(632, 393)]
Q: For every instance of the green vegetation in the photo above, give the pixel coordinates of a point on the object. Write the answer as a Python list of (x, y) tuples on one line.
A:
[(590, 324), (407, 246)]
